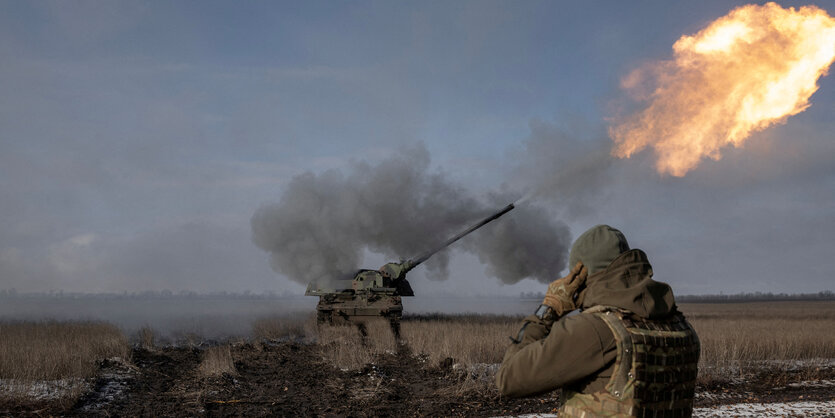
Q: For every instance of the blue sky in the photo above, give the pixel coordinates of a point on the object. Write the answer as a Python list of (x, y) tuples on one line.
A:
[(138, 138)]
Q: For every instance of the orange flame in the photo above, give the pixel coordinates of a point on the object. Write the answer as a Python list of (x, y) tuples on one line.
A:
[(742, 73)]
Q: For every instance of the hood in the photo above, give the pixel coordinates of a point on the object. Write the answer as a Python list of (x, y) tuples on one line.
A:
[(597, 248), (627, 284)]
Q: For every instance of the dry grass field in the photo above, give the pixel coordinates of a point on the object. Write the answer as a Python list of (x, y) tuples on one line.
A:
[(741, 338), (217, 361), (736, 338), (778, 342), (466, 339), (788, 341), (285, 327), (57, 350), (345, 348), (54, 356)]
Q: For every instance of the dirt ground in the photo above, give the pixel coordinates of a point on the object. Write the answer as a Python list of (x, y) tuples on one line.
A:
[(292, 379)]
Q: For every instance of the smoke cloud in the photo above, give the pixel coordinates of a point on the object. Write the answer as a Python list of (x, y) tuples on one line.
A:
[(567, 169), (397, 207)]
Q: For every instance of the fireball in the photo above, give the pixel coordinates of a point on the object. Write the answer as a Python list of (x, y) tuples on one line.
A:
[(744, 72)]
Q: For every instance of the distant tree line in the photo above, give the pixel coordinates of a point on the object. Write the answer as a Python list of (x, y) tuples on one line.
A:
[(757, 297), (738, 297), (148, 294), (188, 294)]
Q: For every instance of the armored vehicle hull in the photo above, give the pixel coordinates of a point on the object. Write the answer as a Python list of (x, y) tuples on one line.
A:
[(336, 310), (376, 293), (370, 294)]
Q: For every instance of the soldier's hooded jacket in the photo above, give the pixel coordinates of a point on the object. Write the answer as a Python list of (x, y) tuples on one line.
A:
[(579, 353)]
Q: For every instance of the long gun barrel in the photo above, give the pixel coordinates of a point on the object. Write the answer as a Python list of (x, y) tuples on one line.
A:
[(423, 257)]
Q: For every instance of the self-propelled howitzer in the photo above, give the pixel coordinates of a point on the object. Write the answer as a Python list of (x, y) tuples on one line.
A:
[(376, 293)]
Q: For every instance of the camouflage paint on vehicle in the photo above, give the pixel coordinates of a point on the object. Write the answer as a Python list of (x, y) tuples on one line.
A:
[(376, 293), (370, 294)]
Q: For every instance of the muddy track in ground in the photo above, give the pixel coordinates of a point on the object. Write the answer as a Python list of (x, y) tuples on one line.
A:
[(766, 387), (153, 385), (291, 379)]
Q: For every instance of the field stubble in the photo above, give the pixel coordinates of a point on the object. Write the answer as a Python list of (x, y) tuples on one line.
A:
[(217, 361), (466, 339), (789, 340), (53, 360), (793, 341)]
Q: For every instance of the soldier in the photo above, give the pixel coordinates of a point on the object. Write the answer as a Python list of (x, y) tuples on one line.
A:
[(629, 352)]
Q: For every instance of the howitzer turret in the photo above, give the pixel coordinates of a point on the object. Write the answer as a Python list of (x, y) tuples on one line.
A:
[(376, 293)]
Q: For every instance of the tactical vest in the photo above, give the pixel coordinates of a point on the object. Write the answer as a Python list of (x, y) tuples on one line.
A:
[(655, 370)]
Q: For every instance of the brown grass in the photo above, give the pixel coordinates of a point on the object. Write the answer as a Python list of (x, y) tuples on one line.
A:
[(342, 346), (285, 327), (346, 348), (52, 361), (147, 338), (470, 343), (217, 361), (57, 350), (743, 338), (737, 339), (466, 339)]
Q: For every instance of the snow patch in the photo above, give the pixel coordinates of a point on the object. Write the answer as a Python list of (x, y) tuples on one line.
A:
[(479, 371), (812, 384), (114, 379), (42, 390), (794, 365), (780, 409), (719, 396), (537, 416), (738, 372)]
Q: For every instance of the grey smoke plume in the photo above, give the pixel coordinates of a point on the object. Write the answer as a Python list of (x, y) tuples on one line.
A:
[(559, 167), (527, 243), (323, 223)]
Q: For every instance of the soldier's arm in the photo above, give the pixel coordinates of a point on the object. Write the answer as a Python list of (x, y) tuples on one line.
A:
[(532, 329), (576, 347)]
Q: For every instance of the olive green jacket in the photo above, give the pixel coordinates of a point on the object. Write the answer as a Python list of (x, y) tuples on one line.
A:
[(579, 351)]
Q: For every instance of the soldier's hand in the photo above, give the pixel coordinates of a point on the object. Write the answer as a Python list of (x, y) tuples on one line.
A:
[(560, 294)]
